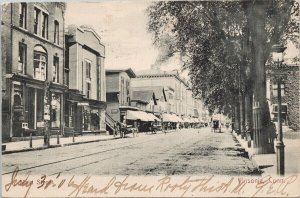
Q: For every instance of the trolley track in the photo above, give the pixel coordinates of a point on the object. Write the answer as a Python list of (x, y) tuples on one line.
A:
[(81, 156)]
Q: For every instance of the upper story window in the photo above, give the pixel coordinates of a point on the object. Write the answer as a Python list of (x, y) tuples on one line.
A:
[(45, 25), (36, 20), (127, 88), (40, 63), (122, 91), (56, 32), (23, 15), (40, 23), (88, 69), (88, 90), (22, 58), (55, 69), (283, 108), (275, 89)]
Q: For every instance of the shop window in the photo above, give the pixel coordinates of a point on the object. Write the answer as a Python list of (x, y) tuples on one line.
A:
[(23, 15), (70, 112), (22, 58), (56, 32), (87, 119), (55, 110), (40, 63), (55, 69), (275, 89)]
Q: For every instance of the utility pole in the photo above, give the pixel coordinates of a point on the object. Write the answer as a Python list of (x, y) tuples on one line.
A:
[(47, 112)]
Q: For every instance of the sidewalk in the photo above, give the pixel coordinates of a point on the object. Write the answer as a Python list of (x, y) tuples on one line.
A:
[(38, 144), (268, 162)]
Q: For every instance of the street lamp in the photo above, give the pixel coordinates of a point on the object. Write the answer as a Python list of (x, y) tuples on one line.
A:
[(278, 74)]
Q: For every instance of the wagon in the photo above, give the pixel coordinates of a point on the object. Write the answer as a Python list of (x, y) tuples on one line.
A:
[(215, 125)]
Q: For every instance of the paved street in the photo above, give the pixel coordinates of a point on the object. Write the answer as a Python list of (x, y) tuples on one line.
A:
[(189, 151)]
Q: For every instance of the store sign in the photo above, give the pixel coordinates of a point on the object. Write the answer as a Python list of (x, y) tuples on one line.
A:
[(114, 111), (24, 125), (83, 104)]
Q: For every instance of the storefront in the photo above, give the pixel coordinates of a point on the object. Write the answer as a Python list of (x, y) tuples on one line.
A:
[(27, 107), (92, 111)]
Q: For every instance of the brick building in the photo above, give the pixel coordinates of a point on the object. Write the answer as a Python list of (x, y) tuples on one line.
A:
[(85, 77), (32, 58), (290, 96)]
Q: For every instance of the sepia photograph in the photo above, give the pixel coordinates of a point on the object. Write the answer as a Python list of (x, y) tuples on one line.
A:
[(149, 98)]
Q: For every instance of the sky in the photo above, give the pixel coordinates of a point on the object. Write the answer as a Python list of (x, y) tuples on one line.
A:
[(122, 27)]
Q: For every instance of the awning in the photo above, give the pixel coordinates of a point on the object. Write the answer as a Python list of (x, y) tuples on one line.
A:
[(186, 120), (153, 117), (176, 118), (168, 118), (146, 115), (138, 115)]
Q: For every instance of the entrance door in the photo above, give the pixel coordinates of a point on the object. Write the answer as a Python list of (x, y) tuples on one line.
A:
[(18, 116)]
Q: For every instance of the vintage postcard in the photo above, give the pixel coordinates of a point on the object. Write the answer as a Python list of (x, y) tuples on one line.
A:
[(131, 98)]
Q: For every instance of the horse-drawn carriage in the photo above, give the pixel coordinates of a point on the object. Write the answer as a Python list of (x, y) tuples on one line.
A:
[(215, 126), (124, 129)]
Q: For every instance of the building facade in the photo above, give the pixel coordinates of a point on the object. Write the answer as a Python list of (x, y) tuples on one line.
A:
[(118, 86), (179, 99), (289, 94), (159, 104), (144, 100), (32, 66), (85, 76)]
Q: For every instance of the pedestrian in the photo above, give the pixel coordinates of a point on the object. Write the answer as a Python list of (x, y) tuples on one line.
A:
[(177, 126)]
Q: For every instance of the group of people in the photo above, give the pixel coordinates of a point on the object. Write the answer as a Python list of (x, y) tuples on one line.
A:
[(136, 126)]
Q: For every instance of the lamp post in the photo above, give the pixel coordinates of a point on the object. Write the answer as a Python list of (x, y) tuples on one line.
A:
[(278, 74)]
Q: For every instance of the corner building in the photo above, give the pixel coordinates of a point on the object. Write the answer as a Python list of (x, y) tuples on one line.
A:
[(32, 36)]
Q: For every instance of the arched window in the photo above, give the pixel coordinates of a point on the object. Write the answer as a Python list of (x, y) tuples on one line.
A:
[(40, 63)]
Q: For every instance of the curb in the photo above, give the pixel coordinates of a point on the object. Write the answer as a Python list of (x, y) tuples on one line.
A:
[(55, 146), (250, 155)]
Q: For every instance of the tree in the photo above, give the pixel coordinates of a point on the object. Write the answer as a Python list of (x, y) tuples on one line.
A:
[(220, 41)]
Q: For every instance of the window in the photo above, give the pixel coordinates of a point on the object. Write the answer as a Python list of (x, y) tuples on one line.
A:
[(55, 69), (283, 108), (88, 69), (56, 32), (121, 91), (40, 25), (88, 90), (55, 110), (39, 63), (275, 89), (22, 58), (69, 108), (36, 20), (23, 15), (45, 26)]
